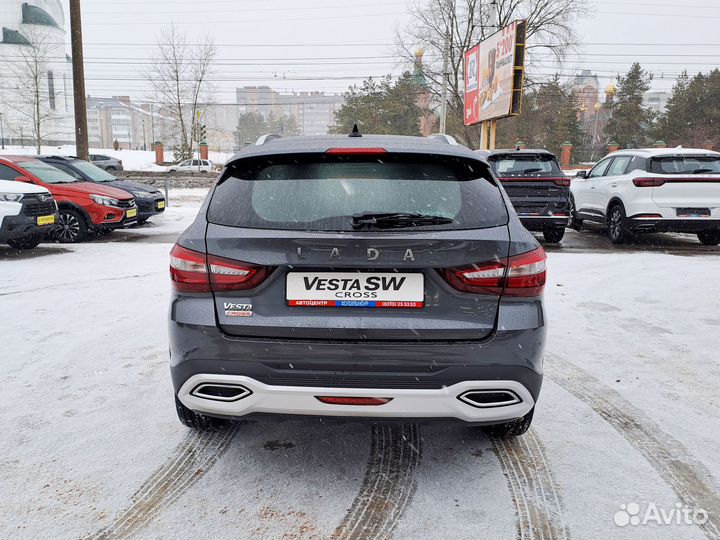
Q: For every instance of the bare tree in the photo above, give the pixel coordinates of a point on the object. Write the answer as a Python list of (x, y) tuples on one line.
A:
[(30, 88), (466, 23), (180, 78)]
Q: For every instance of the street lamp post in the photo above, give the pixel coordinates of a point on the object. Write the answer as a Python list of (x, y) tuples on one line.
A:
[(144, 139), (2, 132)]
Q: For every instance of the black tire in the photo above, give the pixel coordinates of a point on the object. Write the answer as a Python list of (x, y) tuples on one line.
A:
[(554, 236), (513, 428), (27, 242), (707, 238), (617, 230), (575, 222), (196, 420), (142, 222), (72, 227)]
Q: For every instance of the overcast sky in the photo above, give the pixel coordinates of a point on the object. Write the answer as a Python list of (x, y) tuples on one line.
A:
[(316, 44)]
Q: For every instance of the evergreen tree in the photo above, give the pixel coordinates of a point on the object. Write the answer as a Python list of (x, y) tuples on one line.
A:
[(631, 123), (692, 116), (383, 107), (548, 119)]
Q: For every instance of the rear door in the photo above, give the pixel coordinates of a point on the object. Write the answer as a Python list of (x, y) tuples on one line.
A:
[(692, 184), (336, 275)]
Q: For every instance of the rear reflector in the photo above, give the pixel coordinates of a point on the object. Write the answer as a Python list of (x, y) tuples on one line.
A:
[(356, 151), (520, 275), (189, 272), (333, 400)]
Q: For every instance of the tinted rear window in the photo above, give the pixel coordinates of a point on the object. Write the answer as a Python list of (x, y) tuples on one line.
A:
[(524, 165), (322, 192), (686, 165)]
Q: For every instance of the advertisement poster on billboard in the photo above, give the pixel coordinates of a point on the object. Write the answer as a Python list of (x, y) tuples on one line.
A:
[(490, 80)]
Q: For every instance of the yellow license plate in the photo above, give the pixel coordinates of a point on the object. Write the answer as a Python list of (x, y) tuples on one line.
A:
[(45, 220), (131, 213), (161, 204)]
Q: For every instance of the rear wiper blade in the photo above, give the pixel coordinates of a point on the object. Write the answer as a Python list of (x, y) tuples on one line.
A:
[(397, 220), (704, 171)]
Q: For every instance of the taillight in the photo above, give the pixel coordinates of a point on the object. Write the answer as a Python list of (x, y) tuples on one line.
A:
[(559, 181), (228, 275), (189, 272), (520, 275), (648, 182)]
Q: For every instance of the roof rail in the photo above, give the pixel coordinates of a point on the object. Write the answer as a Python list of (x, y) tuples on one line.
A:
[(443, 137), (263, 139)]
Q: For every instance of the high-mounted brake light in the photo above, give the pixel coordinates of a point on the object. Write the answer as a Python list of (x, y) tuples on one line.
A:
[(648, 182), (356, 151), (520, 275), (189, 272)]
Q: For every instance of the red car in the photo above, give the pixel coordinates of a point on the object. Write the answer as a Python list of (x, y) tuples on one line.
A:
[(83, 206)]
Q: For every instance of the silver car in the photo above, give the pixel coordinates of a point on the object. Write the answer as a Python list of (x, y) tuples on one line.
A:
[(107, 163)]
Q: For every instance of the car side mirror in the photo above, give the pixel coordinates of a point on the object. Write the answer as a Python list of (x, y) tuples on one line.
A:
[(24, 179), (581, 174)]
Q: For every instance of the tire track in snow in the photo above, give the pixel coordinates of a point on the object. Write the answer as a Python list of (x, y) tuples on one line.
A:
[(388, 486), (539, 507), (192, 458), (692, 483)]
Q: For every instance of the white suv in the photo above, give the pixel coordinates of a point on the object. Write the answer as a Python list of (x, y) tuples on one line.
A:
[(651, 190), (193, 166), (27, 212)]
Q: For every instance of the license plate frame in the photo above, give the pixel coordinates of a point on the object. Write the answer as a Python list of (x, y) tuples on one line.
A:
[(131, 213), (45, 220), (398, 290), (161, 205), (693, 212)]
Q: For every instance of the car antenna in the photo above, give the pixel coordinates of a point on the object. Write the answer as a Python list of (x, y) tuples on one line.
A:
[(355, 132), (517, 148)]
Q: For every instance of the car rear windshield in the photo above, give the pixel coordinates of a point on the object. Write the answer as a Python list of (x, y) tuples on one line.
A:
[(525, 165), (324, 192), (47, 173), (685, 165)]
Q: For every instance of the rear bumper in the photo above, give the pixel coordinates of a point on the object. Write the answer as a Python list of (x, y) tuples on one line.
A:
[(409, 369), (687, 225), (404, 403), (541, 223)]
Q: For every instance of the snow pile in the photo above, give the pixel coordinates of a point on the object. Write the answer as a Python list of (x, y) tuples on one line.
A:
[(133, 160)]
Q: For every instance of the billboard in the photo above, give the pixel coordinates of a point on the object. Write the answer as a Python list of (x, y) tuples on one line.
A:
[(494, 75)]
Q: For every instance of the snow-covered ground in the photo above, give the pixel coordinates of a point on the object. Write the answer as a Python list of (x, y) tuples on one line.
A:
[(133, 160), (91, 446)]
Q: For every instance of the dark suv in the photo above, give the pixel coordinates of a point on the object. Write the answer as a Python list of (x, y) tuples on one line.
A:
[(376, 277), (149, 200), (538, 189)]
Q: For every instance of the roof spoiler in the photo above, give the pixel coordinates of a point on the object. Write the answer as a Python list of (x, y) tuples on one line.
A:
[(263, 139), (443, 137)]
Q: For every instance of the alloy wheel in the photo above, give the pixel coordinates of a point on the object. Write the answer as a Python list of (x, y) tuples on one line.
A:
[(68, 228)]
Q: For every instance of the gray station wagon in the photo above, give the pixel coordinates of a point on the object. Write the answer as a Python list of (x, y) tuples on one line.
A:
[(379, 278)]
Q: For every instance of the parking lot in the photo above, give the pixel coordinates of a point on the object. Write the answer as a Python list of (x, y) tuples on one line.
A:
[(92, 446)]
